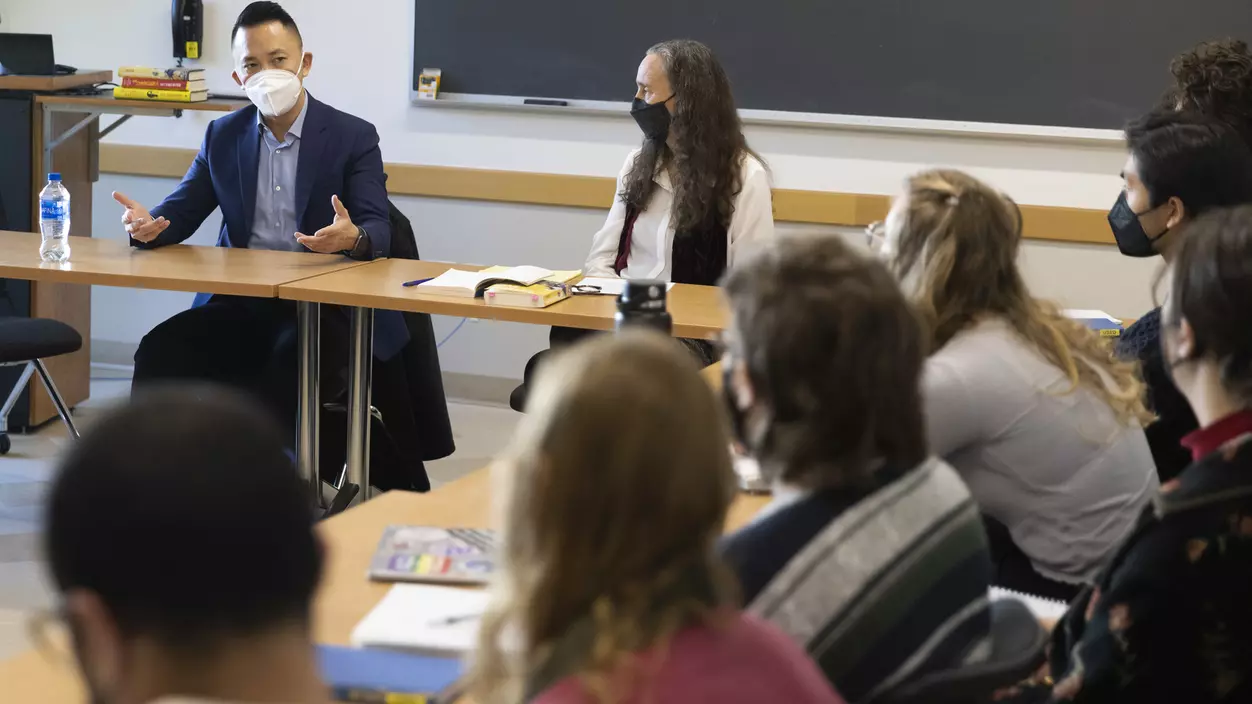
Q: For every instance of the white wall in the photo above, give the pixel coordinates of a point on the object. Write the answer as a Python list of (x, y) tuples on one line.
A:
[(362, 64)]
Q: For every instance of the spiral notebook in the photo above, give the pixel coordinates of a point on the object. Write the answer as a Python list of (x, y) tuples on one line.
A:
[(1042, 607)]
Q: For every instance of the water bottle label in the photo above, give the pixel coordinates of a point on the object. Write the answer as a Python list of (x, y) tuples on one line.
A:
[(52, 210)]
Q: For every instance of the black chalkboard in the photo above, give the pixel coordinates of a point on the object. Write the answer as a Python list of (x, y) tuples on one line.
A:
[(1074, 63)]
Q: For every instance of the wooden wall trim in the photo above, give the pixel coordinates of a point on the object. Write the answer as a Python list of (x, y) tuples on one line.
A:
[(1053, 223)]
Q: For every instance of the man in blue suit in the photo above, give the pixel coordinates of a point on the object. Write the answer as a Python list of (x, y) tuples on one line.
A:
[(289, 173)]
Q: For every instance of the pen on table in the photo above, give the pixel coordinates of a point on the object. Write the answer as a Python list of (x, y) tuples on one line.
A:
[(453, 620), (416, 282)]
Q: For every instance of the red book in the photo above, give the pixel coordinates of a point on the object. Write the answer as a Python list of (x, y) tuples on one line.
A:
[(154, 83)]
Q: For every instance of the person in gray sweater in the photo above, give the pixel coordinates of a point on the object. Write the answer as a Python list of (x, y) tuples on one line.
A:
[(1033, 409)]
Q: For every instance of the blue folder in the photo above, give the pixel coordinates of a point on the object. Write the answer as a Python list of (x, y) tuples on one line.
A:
[(387, 676)]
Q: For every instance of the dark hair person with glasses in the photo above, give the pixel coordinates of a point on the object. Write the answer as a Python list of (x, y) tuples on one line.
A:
[(181, 545), (1044, 424), (1168, 620), (1179, 166)]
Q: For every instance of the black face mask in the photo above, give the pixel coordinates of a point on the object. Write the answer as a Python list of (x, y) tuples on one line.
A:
[(652, 118), (1128, 231)]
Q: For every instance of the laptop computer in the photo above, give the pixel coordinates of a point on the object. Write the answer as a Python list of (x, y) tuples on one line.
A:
[(26, 55)]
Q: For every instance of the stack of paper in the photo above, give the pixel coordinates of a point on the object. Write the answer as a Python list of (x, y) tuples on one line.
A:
[(423, 619)]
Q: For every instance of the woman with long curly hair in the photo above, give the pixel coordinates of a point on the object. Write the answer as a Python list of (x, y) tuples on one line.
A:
[(615, 488), (693, 194), (1033, 409), (690, 199)]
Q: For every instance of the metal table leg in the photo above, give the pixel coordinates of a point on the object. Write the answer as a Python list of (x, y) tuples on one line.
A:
[(360, 370), (308, 433), (57, 399)]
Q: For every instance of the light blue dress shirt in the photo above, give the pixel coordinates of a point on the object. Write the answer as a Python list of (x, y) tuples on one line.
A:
[(274, 221)]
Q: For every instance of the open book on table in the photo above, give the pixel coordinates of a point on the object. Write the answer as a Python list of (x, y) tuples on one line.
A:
[(471, 284)]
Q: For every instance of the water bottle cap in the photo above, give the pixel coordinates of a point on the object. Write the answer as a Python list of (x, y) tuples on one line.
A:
[(54, 177)]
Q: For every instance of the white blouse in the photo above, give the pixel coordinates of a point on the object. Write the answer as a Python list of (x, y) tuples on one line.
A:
[(652, 241)]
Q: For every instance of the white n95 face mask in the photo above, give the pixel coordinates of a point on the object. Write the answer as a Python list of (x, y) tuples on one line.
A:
[(274, 91)]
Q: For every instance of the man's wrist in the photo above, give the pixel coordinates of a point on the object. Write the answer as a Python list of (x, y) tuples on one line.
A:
[(360, 247)]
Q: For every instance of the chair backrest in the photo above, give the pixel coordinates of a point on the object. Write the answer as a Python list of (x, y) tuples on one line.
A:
[(1017, 651), (403, 239)]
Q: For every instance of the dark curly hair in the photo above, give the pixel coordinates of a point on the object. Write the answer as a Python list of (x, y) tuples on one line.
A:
[(709, 147), (1215, 79)]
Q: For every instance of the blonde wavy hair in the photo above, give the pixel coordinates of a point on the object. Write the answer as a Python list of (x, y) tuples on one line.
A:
[(957, 250), (614, 491)]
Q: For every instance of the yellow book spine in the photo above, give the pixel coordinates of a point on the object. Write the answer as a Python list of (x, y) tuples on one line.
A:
[(540, 295), (174, 96)]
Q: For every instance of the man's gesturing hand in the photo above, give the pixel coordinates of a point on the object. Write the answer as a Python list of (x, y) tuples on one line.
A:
[(336, 237), (138, 221)]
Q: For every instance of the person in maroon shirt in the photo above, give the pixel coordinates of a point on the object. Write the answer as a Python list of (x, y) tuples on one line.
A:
[(615, 489), (1169, 620)]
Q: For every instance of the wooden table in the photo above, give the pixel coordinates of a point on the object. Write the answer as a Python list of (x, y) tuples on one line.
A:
[(62, 133), (60, 81), (180, 267), (89, 108), (218, 270), (22, 146), (698, 312), (345, 595)]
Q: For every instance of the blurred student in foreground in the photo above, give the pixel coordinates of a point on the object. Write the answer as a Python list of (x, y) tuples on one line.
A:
[(1169, 619), (615, 489), (181, 545), (1179, 166), (1032, 408), (872, 554)]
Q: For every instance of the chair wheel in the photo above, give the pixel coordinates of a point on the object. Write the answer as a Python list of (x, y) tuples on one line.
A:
[(5, 444)]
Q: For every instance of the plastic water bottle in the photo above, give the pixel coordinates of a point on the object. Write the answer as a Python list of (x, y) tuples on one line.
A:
[(54, 221)]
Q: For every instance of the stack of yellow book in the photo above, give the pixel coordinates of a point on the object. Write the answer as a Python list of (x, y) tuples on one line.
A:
[(171, 85), (540, 294)]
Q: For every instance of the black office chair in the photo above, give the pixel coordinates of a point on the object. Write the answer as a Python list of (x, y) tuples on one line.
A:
[(1017, 651), (28, 341)]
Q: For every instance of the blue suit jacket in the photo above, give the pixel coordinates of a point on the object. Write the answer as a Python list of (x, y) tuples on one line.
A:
[(339, 155)]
